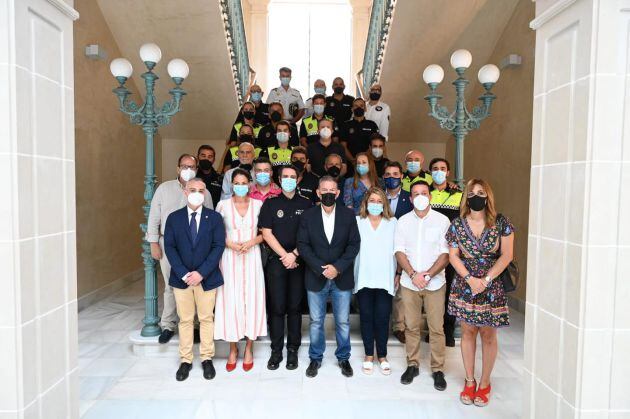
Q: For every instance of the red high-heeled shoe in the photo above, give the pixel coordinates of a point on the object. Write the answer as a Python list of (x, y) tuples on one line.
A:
[(231, 367), (247, 367), (469, 392), (482, 396)]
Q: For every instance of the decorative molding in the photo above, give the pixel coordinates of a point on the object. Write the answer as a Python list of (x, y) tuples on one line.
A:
[(550, 13), (65, 8), (378, 33), (232, 15)]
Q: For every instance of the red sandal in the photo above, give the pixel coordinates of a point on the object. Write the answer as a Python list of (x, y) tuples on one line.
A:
[(469, 392), (482, 396)]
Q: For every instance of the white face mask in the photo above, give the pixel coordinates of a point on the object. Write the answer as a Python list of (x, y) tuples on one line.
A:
[(377, 153), (195, 199), (187, 174), (325, 132), (421, 202)]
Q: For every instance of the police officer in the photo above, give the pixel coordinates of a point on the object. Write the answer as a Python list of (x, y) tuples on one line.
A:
[(247, 115), (446, 200), (262, 109), (307, 182), (308, 128), (290, 98), (377, 150), (245, 135), (318, 151), (414, 173), (267, 135), (378, 111), (339, 105), (319, 87), (280, 154), (356, 133), (213, 179), (279, 220)]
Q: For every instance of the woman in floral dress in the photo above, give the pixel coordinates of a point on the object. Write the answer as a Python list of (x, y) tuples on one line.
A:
[(481, 247)]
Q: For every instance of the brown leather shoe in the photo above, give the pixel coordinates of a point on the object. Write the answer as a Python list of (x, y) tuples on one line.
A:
[(400, 335)]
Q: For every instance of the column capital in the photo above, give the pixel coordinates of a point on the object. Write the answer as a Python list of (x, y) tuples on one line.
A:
[(361, 5), (259, 6)]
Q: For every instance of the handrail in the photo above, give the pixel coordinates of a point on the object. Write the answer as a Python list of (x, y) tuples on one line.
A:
[(232, 14), (378, 33), (358, 81)]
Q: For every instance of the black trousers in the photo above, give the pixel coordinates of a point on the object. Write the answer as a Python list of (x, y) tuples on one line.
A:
[(285, 290), (375, 307), (449, 321)]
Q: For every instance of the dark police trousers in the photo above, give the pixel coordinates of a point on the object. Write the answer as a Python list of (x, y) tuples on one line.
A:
[(449, 321), (285, 289)]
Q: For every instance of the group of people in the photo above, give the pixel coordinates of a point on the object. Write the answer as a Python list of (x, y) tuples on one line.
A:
[(324, 214)]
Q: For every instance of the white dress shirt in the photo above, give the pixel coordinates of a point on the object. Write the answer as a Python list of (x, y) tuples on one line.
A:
[(393, 200), (291, 100), (423, 241), (197, 217), (329, 223), (380, 114)]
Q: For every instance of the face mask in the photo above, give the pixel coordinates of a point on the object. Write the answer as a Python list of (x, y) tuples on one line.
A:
[(421, 202), (298, 165), (375, 96), (205, 164), (328, 199), (187, 174), (413, 166), (256, 96), (374, 208), (282, 137), (392, 182), (338, 90), (320, 90), (195, 199), (325, 132), (275, 116), (248, 115), (359, 112), (362, 169), (246, 138), (377, 153), (333, 171), (241, 190), (439, 177), (285, 81), (263, 178), (288, 184), (246, 166), (477, 203), (318, 109)]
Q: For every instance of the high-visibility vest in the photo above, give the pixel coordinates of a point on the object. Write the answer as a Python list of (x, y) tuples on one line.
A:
[(407, 181), (234, 150), (257, 128), (279, 156), (447, 199), (310, 124)]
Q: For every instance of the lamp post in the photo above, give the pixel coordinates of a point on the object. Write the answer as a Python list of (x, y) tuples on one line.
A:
[(460, 122), (150, 117)]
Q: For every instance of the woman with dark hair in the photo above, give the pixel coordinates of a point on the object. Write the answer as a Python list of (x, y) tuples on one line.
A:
[(364, 178), (481, 246), (240, 307)]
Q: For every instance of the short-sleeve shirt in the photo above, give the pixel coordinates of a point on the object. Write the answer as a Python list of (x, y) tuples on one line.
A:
[(380, 114), (267, 137), (291, 100), (339, 110), (356, 134), (317, 154), (282, 216)]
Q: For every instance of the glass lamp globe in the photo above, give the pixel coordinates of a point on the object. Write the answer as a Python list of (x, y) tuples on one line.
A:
[(178, 68), (489, 73), (150, 53), (433, 74), (121, 67), (461, 59)]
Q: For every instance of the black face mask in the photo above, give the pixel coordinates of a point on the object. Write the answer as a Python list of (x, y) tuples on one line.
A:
[(205, 164), (328, 199), (477, 203), (359, 112), (246, 166), (246, 138), (275, 116), (333, 171), (249, 115), (375, 96), (338, 90), (298, 165)]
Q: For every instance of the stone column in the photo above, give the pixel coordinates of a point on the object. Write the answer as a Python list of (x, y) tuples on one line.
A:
[(257, 42), (38, 303), (577, 334), (360, 26)]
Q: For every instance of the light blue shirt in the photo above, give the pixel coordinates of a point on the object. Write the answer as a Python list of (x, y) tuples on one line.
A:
[(375, 265)]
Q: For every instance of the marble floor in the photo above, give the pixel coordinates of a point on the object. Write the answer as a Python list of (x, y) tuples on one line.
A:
[(114, 383)]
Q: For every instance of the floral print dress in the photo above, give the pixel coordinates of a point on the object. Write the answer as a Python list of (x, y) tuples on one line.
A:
[(488, 308)]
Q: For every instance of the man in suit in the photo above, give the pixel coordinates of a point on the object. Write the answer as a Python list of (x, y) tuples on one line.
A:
[(194, 239), (328, 241), (401, 204)]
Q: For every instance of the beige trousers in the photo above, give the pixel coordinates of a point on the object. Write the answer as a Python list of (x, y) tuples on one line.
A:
[(398, 312), (188, 301), (169, 312)]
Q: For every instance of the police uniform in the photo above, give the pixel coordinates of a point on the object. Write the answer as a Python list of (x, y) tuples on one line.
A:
[(213, 181), (339, 110), (285, 287), (267, 137), (380, 114), (231, 157), (407, 181), (291, 100), (262, 114), (237, 127), (317, 154), (308, 185), (356, 134), (309, 126)]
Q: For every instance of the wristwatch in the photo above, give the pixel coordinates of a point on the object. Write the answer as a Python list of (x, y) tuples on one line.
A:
[(467, 277), (427, 278), (488, 280)]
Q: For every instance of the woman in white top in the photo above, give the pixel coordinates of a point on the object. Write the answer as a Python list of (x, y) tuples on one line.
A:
[(374, 276)]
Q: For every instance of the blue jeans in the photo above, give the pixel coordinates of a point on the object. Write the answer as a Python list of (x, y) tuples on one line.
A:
[(341, 310)]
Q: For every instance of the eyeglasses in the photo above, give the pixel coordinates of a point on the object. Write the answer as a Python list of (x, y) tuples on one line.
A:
[(481, 194)]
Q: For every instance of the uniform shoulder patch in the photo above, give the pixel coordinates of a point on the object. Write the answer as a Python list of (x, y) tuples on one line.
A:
[(379, 108)]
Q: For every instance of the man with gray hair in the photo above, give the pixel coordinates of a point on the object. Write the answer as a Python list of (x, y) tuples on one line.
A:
[(246, 154), (319, 88)]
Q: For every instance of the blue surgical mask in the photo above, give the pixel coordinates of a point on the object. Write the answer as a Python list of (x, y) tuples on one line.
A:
[(318, 109), (288, 184), (439, 177), (392, 182), (256, 96), (241, 190), (374, 208), (263, 178), (282, 137), (413, 166), (285, 81), (320, 90), (362, 169)]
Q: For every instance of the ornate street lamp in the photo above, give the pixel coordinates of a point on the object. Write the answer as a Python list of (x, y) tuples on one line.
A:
[(460, 121), (149, 116)]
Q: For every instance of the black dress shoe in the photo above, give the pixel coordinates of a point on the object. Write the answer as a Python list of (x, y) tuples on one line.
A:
[(450, 341), (438, 381), (196, 336), (346, 368), (182, 372), (208, 369), (311, 371), (408, 376), (400, 335), (292, 359), (274, 361), (165, 336)]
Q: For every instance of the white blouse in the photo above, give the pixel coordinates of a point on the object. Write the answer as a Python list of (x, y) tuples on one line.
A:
[(375, 265)]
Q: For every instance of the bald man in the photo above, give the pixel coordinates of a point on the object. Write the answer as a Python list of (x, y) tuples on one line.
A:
[(319, 87), (414, 160), (246, 155), (378, 111), (262, 109)]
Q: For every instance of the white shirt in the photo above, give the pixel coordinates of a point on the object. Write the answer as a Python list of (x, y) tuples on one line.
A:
[(197, 217), (423, 241), (375, 265), (291, 100), (380, 114), (329, 223), (393, 200), (308, 107)]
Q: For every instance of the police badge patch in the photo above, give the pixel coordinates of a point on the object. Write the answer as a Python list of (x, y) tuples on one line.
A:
[(274, 156), (310, 125), (379, 108), (280, 213), (268, 135)]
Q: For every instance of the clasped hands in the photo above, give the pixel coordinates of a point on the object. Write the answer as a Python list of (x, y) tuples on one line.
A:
[(477, 285), (193, 278), (241, 248), (330, 272), (289, 260), (418, 279)]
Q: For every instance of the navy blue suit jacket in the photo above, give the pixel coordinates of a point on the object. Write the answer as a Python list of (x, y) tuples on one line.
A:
[(202, 256), (316, 251), (404, 204)]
